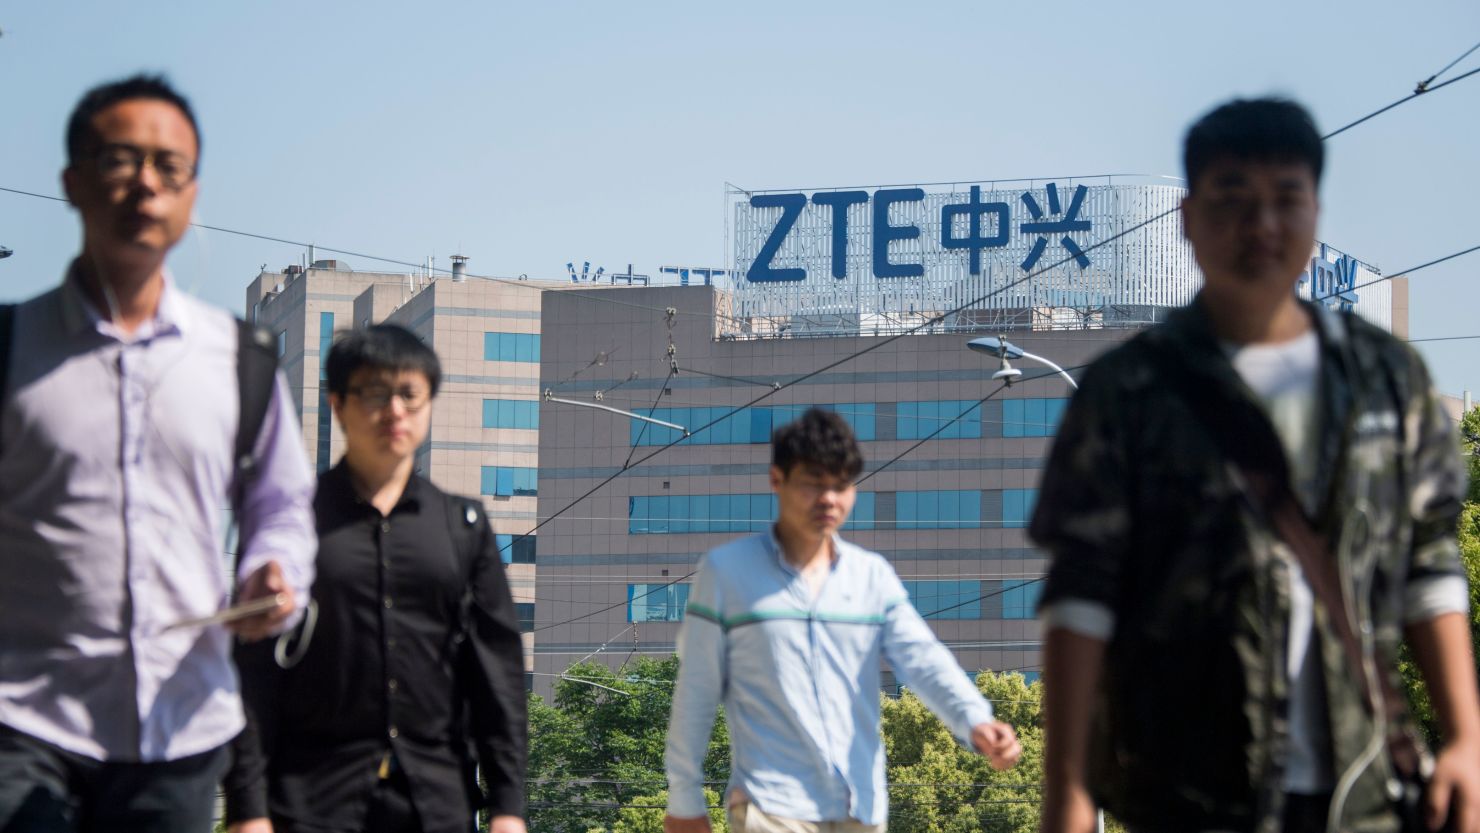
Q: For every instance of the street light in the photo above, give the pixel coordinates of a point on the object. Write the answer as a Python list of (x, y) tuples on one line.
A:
[(1003, 349), (4, 253)]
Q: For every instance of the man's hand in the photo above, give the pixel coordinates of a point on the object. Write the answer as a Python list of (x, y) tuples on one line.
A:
[(998, 742), (673, 824), (1069, 810), (250, 826), (1454, 792), (265, 582), (505, 824)]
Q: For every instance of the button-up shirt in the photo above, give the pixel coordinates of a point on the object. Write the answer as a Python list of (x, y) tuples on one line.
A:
[(416, 654), (116, 463), (799, 679)]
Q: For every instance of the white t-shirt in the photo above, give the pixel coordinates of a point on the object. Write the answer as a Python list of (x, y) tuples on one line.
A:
[(1284, 376)]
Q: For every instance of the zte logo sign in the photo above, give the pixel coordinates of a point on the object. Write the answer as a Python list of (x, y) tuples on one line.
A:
[(1333, 284), (972, 226)]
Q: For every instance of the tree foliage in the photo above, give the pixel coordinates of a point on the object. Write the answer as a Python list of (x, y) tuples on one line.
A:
[(596, 752), (1469, 547), (938, 785)]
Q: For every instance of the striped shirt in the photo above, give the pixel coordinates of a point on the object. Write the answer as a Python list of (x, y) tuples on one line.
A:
[(798, 675)]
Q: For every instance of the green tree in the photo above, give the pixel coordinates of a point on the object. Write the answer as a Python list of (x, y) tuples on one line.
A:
[(645, 815), (939, 786), (1469, 546), (596, 752)]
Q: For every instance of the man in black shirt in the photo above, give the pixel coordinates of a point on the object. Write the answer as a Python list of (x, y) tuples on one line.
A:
[(413, 671)]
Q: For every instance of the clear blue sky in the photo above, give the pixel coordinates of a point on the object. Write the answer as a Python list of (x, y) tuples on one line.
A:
[(530, 134)]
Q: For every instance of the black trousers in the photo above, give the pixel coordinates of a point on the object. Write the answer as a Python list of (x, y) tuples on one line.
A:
[(44, 789)]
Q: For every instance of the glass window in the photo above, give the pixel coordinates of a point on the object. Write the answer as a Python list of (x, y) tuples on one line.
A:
[(1020, 598), (946, 599), (506, 482), (515, 549), (656, 602), (1017, 507), (949, 509), (525, 612), (862, 516), (1032, 417), (861, 417), (707, 513), (511, 347), (918, 420)]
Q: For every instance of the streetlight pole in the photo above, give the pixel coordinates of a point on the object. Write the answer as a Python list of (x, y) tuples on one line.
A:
[(1003, 349)]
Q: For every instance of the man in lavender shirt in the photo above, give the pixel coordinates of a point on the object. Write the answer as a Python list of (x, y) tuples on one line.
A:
[(117, 429)]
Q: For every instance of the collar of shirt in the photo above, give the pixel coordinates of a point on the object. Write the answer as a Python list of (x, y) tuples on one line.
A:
[(171, 317), (350, 500), (773, 546)]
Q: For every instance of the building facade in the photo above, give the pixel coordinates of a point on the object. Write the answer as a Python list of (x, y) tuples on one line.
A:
[(861, 301)]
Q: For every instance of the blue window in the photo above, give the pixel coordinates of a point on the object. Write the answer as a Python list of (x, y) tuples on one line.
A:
[(509, 482), (1032, 417), (511, 413), (656, 602), (322, 461), (862, 516), (515, 549), (938, 510), (525, 612), (1020, 599), (746, 426), (1017, 507), (946, 599), (659, 514), (918, 420), (511, 347)]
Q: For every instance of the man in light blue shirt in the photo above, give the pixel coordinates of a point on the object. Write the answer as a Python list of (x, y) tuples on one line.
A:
[(787, 628)]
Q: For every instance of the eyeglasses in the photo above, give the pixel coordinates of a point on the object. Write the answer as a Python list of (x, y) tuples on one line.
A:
[(376, 397), (118, 164)]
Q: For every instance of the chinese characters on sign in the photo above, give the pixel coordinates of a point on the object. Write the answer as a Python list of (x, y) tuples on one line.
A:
[(987, 225)]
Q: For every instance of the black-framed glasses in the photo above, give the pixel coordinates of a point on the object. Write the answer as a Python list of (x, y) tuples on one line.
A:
[(123, 163), (376, 397)]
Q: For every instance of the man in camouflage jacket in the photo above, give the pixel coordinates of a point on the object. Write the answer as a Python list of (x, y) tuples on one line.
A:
[(1192, 680)]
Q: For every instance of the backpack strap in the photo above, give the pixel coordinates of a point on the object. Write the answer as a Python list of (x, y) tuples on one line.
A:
[(1249, 444), (7, 331), (256, 376), (462, 525), (7, 335)]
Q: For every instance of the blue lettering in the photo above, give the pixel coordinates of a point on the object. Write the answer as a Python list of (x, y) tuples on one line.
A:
[(884, 233), (840, 200), (1068, 223), (791, 206), (974, 242)]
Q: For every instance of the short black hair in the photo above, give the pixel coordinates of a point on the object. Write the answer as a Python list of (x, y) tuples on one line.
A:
[(1257, 129), (80, 134), (820, 439), (381, 347)]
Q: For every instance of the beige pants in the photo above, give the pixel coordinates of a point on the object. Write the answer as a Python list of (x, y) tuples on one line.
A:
[(748, 818)]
